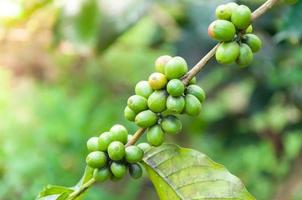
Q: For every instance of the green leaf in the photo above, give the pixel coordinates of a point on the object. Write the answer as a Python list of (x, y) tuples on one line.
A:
[(88, 174), (179, 173), (54, 192)]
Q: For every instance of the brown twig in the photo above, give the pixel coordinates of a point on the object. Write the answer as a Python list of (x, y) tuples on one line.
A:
[(198, 67), (263, 8), (136, 136)]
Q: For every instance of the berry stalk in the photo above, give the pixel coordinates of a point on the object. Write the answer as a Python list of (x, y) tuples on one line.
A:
[(80, 191)]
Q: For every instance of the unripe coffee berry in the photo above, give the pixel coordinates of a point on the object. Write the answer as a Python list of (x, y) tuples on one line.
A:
[(175, 104), (119, 133), (253, 41), (146, 119), (157, 101), (197, 91), (193, 105), (161, 62), (245, 56), (227, 52), (104, 140), (137, 103), (232, 6), (171, 125), (155, 135), (116, 150), (175, 87), (223, 12), (242, 17), (96, 159), (118, 169), (144, 146), (176, 68), (102, 174), (133, 154), (129, 114), (157, 80), (135, 171), (222, 30), (143, 88), (93, 144)]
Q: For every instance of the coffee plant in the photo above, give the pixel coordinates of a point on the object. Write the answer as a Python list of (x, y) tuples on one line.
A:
[(170, 91)]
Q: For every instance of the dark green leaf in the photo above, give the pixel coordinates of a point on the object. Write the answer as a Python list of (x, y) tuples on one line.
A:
[(179, 173)]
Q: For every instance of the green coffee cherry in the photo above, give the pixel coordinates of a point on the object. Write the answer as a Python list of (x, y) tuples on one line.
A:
[(249, 29), (245, 56), (175, 104), (93, 144), (197, 91), (157, 80), (232, 6), (143, 88), (171, 124), (253, 41), (116, 150), (146, 119), (176, 68), (144, 146), (193, 105), (223, 12), (129, 114), (175, 87), (137, 103), (133, 154), (227, 52), (222, 30), (242, 17), (155, 135), (96, 159), (104, 140), (135, 171), (161, 62), (118, 169), (157, 101), (193, 81), (119, 133), (102, 174)]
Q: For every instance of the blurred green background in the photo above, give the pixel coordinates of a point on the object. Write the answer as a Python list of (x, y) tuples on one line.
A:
[(67, 68)]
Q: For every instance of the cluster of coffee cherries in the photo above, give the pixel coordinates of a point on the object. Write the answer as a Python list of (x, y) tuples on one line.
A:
[(111, 158), (157, 101), (234, 30)]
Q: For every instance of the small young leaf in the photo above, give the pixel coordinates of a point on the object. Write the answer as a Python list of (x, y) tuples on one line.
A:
[(179, 173), (54, 192), (88, 174)]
